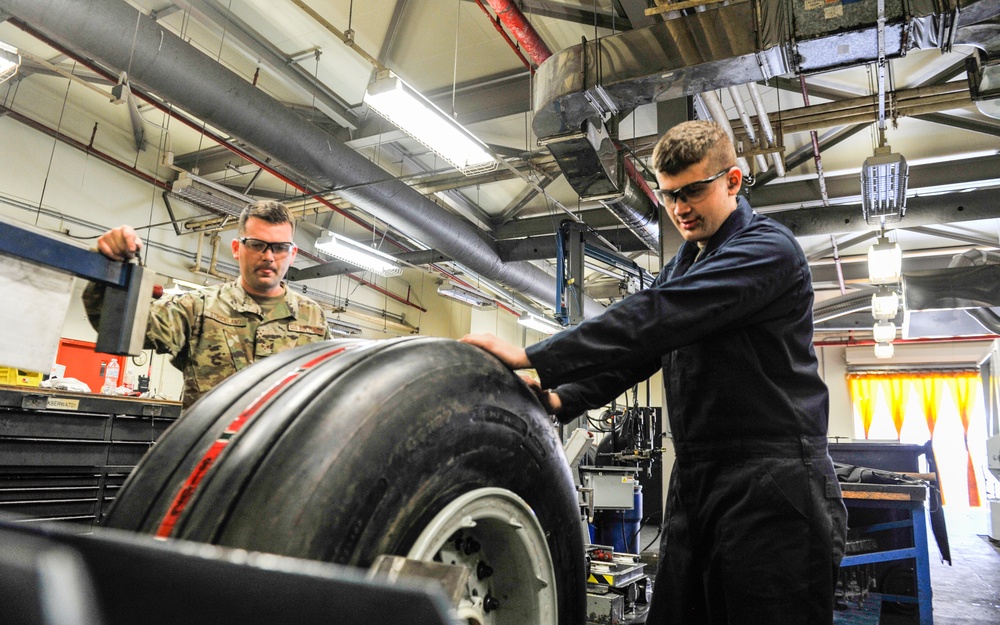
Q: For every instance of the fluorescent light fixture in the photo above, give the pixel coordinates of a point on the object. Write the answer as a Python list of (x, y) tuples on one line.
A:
[(10, 60), (540, 324), (885, 262), (343, 328), (415, 115), (466, 295), (209, 195), (883, 186), (883, 350), (359, 255), (884, 331), (885, 305)]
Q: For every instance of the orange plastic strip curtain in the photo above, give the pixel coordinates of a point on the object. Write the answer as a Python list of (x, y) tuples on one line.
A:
[(930, 391), (899, 391), (930, 388), (863, 395), (964, 387)]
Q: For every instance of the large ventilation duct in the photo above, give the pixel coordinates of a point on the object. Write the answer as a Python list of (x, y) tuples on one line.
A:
[(115, 34), (603, 172), (962, 299), (715, 49)]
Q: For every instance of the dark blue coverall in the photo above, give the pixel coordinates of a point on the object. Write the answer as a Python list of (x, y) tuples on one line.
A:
[(754, 526)]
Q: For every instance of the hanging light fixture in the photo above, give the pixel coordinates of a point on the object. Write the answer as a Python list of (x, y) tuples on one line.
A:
[(540, 324), (209, 195), (885, 306), (10, 60), (356, 254), (417, 116), (885, 262), (342, 328), (884, 331), (466, 295), (883, 187), (884, 350)]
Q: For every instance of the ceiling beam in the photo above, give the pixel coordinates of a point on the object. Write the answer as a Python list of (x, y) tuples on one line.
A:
[(805, 153), (635, 12), (968, 172), (518, 204), (920, 211), (954, 236), (556, 10), (544, 248), (963, 123), (577, 15), (259, 50), (390, 31)]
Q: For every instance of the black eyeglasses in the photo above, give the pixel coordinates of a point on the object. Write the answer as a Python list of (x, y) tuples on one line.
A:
[(278, 247), (688, 192)]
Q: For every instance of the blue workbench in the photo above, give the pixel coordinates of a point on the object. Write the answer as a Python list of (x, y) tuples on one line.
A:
[(908, 498)]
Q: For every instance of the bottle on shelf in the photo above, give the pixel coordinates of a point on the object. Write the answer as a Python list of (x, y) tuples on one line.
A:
[(110, 378)]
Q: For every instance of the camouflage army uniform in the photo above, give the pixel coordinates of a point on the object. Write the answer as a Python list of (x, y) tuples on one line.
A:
[(216, 331)]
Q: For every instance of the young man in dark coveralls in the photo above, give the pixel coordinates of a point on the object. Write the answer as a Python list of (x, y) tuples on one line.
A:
[(754, 526)]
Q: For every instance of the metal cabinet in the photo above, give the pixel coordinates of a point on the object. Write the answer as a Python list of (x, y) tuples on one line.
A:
[(63, 456)]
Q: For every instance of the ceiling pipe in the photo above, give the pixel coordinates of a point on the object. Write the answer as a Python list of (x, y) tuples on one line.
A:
[(741, 110), (718, 113), (222, 141), (524, 32), (815, 145), (714, 48), (765, 128), (175, 70)]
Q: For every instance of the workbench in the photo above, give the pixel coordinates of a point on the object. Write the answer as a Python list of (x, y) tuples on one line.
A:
[(910, 500), (63, 455)]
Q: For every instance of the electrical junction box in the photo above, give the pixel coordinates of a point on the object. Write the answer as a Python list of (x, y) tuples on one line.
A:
[(993, 455), (614, 487)]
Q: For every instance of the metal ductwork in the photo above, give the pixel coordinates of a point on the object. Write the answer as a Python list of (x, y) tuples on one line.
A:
[(579, 88), (602, 172), (967, 292), (960, 300), (113, 33), (955, 301)]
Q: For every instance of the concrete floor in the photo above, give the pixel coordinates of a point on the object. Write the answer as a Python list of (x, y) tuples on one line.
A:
[(965, 593), (968, 592)]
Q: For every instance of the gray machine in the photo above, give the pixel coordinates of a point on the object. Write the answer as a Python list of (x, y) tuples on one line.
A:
[(617, 585)]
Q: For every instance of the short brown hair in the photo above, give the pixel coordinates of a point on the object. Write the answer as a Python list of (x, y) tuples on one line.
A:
[(691, 142), (269, 211)]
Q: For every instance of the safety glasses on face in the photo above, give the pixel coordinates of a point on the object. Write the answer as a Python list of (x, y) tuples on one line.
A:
[(689, 192), (278, 247)]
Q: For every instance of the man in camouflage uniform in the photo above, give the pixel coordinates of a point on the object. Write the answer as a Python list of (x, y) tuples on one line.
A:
[(216, 331)]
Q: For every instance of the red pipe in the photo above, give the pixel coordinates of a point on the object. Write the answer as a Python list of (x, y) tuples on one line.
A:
[(506, 37), (524, 32), (853, 342)]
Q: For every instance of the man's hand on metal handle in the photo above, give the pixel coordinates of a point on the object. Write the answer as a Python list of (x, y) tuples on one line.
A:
[(121, 243)]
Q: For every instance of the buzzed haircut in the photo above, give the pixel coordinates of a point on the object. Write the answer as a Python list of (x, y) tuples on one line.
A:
[(691, 142), (269, 211)]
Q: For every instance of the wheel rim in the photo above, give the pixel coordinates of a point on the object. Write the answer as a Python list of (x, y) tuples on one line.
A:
[(496, 535)]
